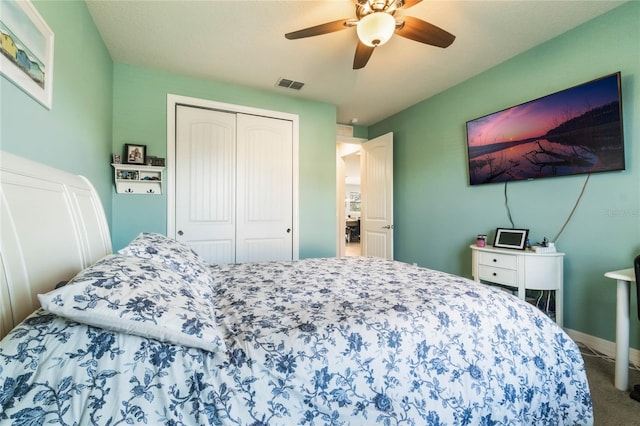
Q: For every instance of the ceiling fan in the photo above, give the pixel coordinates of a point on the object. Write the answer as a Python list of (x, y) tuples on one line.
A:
[(375, 24)]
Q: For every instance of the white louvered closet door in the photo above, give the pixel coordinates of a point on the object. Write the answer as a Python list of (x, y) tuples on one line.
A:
[(233, 185), (205, 182), (265, 189)]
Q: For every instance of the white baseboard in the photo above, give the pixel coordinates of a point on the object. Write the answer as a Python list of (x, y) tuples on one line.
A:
[(603, 346)]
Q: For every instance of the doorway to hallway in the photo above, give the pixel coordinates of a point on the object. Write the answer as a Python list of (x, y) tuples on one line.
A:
[(369, 206)]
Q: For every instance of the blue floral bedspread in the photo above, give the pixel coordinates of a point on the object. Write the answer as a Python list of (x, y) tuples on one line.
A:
[(339, 341)]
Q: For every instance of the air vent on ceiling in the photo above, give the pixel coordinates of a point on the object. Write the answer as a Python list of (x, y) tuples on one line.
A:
[(289, 84)]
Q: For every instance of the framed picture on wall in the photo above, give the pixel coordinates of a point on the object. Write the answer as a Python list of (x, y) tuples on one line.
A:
[(135, 154), (26, 42)]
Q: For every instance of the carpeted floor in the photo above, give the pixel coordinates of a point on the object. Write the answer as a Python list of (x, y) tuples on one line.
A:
[(611, 407)]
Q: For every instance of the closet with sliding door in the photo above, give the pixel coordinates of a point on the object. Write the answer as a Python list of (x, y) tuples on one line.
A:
[(234, 185)]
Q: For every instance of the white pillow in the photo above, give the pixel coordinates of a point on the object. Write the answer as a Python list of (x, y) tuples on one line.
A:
[(137, 296), (171, 253)]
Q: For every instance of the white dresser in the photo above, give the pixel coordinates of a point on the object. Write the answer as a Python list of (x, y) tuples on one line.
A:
[(523, 270)]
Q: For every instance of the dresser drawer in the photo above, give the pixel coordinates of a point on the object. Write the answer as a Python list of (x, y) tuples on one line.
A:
[(498, 260), (498, 275)]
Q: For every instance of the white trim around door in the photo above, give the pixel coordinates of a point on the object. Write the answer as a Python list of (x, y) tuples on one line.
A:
[(173, 101)]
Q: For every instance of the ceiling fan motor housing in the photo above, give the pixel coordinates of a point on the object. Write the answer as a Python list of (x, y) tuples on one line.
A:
[(367, 7)]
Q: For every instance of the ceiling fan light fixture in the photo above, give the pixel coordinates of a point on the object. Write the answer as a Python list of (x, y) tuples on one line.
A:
[(376, 28)]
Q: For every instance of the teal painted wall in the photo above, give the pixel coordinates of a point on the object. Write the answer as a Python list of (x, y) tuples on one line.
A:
[(360, 132), (437, 214), (99, 106), (75, 135), (140, 116)]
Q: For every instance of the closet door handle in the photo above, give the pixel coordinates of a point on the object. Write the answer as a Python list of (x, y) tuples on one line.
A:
[(288, 230), (180, 233)]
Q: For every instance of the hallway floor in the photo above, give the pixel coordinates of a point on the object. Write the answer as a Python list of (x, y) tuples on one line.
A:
[(353, 249)]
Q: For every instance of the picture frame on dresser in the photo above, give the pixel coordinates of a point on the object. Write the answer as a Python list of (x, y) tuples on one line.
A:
[(510, 238)]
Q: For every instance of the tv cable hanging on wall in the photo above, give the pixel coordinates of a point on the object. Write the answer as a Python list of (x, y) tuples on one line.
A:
[(573, 210)]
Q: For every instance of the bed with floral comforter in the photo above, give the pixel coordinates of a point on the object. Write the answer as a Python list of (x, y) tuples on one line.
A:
[(153, 336)]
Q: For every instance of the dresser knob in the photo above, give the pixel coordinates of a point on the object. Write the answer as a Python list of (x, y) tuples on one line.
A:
[(495, 260)]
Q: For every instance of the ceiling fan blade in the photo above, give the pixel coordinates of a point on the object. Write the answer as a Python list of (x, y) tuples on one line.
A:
[(424, 32), (326, 28), (406, 4), (363, 53)]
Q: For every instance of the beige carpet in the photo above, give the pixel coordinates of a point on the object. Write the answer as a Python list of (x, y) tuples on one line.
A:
[(611, 407)]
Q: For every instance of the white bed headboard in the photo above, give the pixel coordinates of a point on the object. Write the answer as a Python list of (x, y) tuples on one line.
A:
[(52, 225)]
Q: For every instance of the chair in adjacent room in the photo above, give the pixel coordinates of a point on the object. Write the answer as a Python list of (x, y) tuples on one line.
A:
[(356, 231), (353, 230), (635, 393)]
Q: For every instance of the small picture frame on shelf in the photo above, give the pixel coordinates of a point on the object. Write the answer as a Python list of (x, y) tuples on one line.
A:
[(152, 160), (158, 161), (116, 158), (135, 154), (511, 238)]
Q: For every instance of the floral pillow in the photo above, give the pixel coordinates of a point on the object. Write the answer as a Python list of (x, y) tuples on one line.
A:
[(171, 253), (136, 296)]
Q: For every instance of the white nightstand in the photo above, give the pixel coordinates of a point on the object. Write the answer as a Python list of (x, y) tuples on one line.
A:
[(523, 270)]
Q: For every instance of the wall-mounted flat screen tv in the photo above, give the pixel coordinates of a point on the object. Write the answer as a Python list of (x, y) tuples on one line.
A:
[(574, 131)]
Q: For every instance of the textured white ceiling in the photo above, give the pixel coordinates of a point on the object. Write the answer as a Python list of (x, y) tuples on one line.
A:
[(242, 42)]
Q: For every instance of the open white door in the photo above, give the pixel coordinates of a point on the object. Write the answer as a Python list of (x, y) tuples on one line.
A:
[(344, 150), (376, 232)]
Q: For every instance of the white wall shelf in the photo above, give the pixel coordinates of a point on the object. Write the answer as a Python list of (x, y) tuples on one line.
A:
[(138, 179)]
